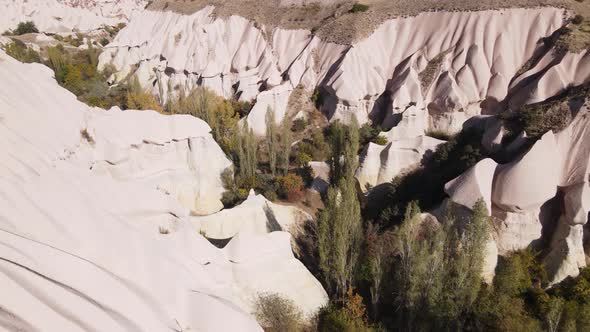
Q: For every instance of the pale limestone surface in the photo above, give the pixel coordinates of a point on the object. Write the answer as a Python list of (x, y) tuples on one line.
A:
[(90, 227), (529, 181), (255, 215), (260, 263), (66, 15), (382, 163), (444, 79), (514, 231), (474, 184)]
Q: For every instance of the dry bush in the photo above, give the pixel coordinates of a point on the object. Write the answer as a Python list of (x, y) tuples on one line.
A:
[(276, 313)]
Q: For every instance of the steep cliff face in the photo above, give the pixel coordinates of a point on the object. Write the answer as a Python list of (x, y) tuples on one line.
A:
[(66, 15), (448, 66)]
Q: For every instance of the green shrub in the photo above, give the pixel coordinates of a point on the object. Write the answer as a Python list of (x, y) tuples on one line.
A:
[(317, 99), (18, 50), (25, 27), (104, 41), (349, 314), (277, 314), (299, 125), (302, 159), (367, 134), (578, 19), (380, 140), (359, 8), (233, 195), (538, 119), (290, 186), (242, 108)]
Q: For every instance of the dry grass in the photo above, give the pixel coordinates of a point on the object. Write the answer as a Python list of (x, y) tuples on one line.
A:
[(432, 68), (575, 37), (333, 21)]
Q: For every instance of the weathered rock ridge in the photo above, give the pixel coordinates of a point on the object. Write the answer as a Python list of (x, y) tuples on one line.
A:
[(67, 15), (95, 230), (443, 65)]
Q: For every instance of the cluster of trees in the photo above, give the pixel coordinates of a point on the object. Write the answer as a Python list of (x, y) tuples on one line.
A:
[(263, 164)]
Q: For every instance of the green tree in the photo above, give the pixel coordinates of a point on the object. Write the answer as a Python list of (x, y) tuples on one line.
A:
[(285, 141), (271, 140), (25, 27), (340, 236), (345, 144), (247, 155)]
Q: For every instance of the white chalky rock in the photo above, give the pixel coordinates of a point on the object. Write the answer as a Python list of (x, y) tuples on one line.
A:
[(67, 15), (255, 215), (377, 77), (474, 184), (529, 181), (566, 257), (381, 163), (412, 122), (515, 231), (276, 100), (266, 262), (490, 261), (574, 151), (85, 232)]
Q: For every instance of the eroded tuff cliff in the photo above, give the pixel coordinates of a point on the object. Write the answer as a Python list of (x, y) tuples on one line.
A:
[(66, 15), (442, 67)]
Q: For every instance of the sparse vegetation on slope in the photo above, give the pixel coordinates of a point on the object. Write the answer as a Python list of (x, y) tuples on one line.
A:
[(336, 21)]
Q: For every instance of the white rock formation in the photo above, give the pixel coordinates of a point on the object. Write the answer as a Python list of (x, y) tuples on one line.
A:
[(531, 180), (474, 184), (186, 167), (574, 151), (88, 242), (381, 163), (404, 63), (255, 215), (515, 231), (66, 15), (266, 262)]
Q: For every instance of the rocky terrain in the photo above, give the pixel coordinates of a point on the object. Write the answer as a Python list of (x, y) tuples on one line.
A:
[(77, 179), (118, 219)]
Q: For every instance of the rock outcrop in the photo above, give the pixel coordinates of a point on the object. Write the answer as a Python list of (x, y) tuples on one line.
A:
[(56, 16), (382, 163), (474, 184), (531, 180), (256, 215), (417, 83), (92, 224)]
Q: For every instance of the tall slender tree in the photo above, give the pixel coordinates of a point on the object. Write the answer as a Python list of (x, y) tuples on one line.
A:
[(271, 140), (340, 232), (285, 142), (247, 154)]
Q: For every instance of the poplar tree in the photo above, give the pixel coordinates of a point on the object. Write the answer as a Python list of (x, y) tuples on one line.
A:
[(285, 142), (340, 232), (271, 140)]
